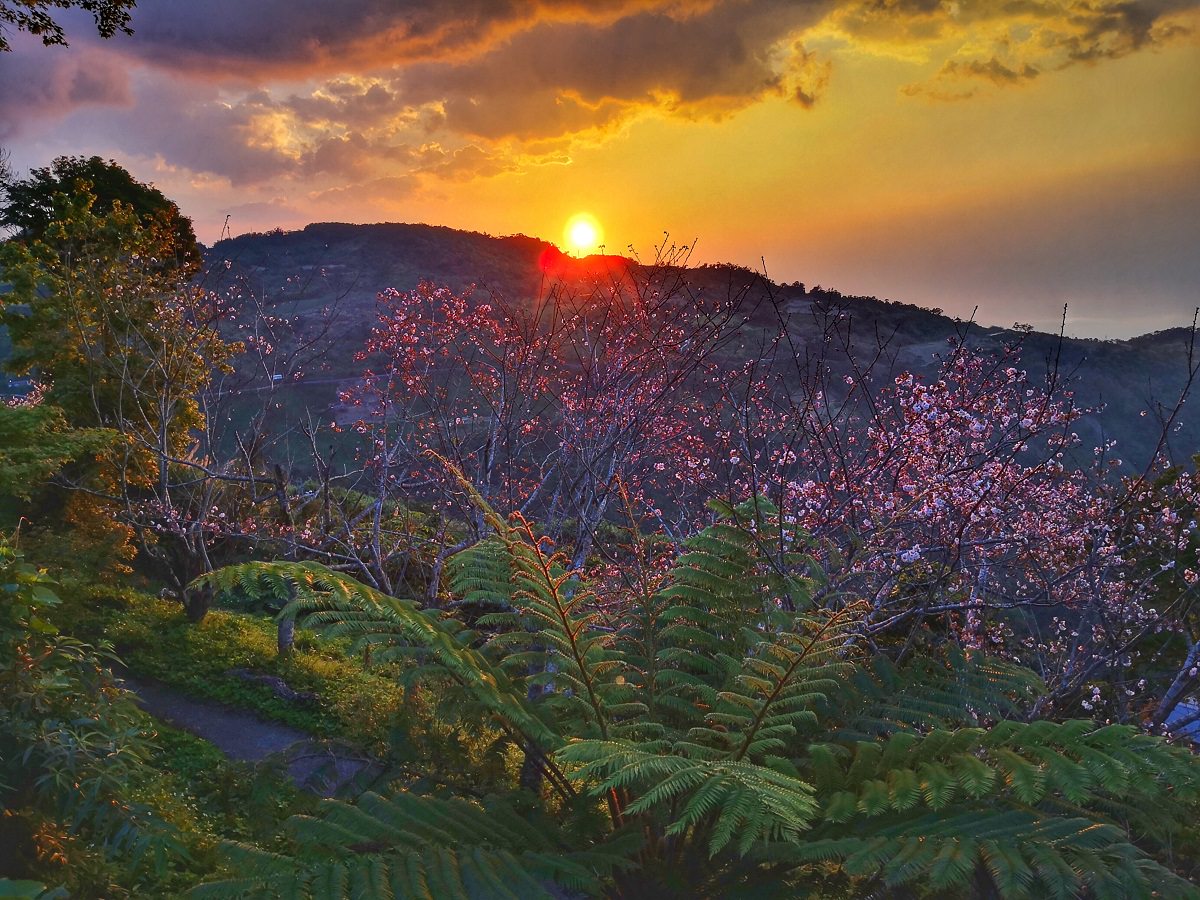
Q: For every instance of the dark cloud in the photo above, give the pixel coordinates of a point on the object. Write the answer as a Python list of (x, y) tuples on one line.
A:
[(1109, 32), (41, 84), (990, 70), (236, 38), (222, 140), (485, 72), (346, 156), (947, 84), (496, 83), (352, 103), (563, 77), (557, 77)]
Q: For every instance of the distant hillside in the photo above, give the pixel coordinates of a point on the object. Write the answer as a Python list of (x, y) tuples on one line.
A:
[(323, 264)]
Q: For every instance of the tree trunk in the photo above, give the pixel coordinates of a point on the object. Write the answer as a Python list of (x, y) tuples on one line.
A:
[(531, 771), (287, 635), (1179, 686), (196, 603), (287, 624)]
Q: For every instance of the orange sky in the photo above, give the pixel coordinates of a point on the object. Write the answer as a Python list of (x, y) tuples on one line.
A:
[(1011, 156)]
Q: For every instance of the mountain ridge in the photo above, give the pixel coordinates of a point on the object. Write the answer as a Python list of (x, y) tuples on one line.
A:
[(347, 265)]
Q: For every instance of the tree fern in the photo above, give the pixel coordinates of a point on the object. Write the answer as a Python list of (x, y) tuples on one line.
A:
[(724, 798), (1019, 800), (951, 687), (410, 846), (794, 662), (546, 632), (726, 737)]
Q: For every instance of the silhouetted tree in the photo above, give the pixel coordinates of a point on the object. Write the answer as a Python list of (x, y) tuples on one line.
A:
[(112, 16)]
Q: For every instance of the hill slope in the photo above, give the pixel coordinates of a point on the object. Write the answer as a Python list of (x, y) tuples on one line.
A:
[(347, 265)]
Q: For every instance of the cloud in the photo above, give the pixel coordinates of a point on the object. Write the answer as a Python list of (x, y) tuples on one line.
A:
[(465, 163), (279, 90), (509, 102), (347, 156), (809, 77), (353, 102), (958, 79), (246, 142), (222, 39), (1014, 43), (384, 195), (485, 82), (992, 70), (1114, 30), (559, 78), (42, 84)]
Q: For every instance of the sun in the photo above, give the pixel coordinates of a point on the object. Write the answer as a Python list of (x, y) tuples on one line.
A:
[(583, 234)]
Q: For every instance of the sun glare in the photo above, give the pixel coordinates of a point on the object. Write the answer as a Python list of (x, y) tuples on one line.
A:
[(583, 234)]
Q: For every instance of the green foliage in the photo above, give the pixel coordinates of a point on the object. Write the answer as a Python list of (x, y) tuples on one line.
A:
[(102, 312), (946, 688), (28, 890), (207, 798), (357, 696), (389, 627), (71, 742), (742, 739), (415, 846), (206, 794), (92, 310), (909, 808), (35, 443), (30, 206), (157, 642)]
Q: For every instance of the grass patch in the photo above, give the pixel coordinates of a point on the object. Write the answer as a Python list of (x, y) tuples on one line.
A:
[(364, 705), (155, 640), (208, 798)]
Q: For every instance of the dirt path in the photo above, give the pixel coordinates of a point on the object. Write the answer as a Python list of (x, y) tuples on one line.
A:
[(315, 765)]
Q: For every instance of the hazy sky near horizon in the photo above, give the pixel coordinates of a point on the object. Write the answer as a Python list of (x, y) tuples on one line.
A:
[(1010, 156)]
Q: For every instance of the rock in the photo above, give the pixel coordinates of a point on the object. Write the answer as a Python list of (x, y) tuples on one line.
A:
[(278, 686)]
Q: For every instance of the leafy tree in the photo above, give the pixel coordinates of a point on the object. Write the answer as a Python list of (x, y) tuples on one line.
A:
[(92, 313), (949, 496), (35, 444), (31, 206), (737, 736), (121, 342), (32, 16), (71, 742)]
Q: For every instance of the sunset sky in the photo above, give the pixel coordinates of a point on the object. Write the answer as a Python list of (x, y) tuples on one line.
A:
[(1012, 155)]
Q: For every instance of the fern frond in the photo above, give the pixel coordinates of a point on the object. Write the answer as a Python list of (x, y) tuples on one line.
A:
[(788, 672), (731, 798), (1026, 853), (406, 845), (558, 646), (950, 689)]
